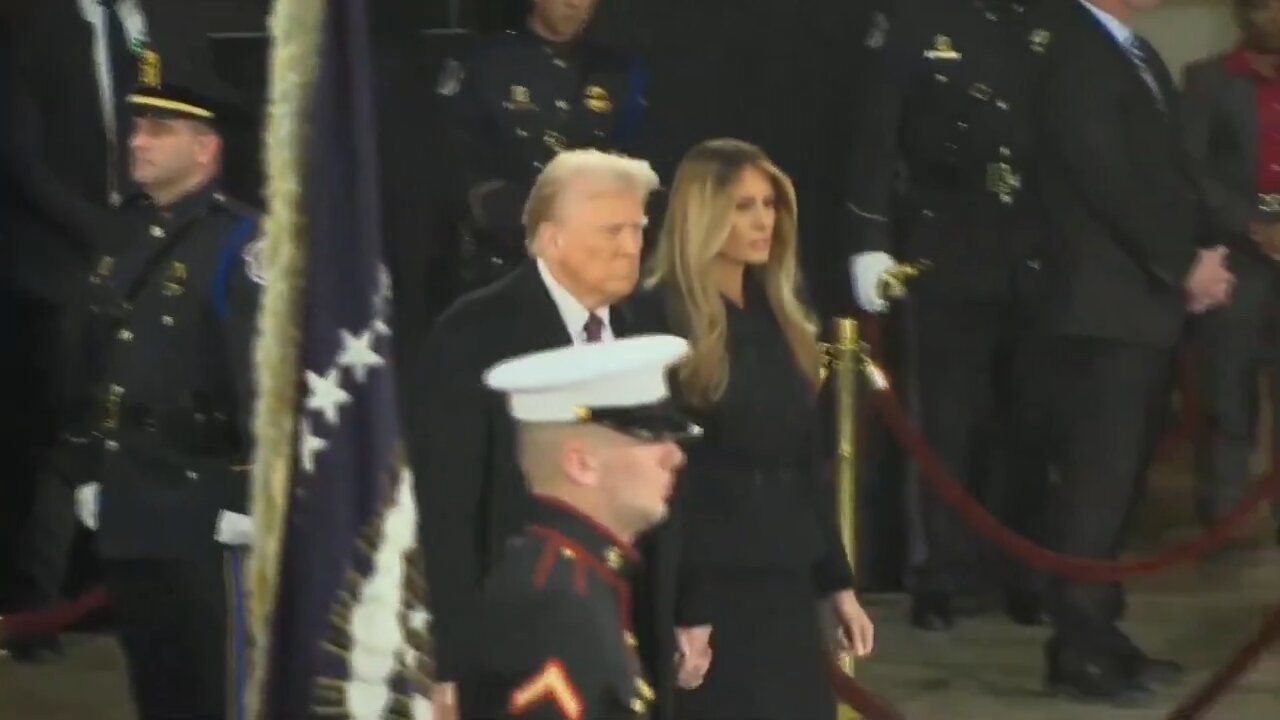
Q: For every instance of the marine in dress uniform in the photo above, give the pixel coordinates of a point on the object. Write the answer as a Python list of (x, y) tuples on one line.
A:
[(551, 635), (940, 173), (520, 99), (178, 299), (1231, 119)]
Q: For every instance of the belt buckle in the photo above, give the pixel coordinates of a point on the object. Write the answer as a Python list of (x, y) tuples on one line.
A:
[(1269, 203), (1004, 181)]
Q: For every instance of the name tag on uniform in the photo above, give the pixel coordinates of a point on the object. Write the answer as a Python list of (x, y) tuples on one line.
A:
[(942, 49)]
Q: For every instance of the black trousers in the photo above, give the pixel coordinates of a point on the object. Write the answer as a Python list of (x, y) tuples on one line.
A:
[(768, 646), (1111, 398), (45, 551), (1235, 345), (28, 428), (180, 628), (979, 370)]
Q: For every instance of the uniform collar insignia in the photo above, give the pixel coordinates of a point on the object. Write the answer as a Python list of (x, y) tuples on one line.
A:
[(604, 547)]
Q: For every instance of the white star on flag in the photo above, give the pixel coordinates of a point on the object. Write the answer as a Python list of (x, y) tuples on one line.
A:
[(325, 394), (357, 354), (309, 445)]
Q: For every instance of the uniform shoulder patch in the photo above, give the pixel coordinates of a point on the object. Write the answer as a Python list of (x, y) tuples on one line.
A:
[(255, 263), (878, 32), (451, 76), (550, 684)]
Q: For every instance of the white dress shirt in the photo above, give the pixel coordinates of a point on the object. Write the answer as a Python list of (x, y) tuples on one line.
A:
[(572, 312), (1121, 32)]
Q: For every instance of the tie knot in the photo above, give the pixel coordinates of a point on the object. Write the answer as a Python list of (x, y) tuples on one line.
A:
[(593, 328)]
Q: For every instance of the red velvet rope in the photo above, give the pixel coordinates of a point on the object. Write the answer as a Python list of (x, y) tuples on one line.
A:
[(1190, 420), (1083, 569), (863, 701), (53, 619)]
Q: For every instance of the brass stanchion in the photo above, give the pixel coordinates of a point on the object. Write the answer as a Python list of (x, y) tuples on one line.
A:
[(844, 353)]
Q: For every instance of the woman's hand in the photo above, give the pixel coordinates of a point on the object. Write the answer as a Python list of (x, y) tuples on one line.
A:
[(857, 633), (693, 655), (444, 701)]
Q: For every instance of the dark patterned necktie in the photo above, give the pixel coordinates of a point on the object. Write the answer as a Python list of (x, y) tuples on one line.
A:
[(593, 328), (1139, 52)]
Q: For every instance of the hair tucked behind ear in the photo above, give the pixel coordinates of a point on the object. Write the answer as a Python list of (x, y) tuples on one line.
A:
[(695, 228)]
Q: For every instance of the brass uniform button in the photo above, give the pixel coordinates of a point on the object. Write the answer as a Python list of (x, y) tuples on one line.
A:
[(613, 558)]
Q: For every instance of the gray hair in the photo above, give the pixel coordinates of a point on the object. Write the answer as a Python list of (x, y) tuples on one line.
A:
[(607, 169)]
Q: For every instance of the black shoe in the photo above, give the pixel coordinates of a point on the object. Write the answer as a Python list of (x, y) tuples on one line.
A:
[(1152, 671), (1142, 667), (36, 651), (1024, 608), (932, 612), (1092, 679)]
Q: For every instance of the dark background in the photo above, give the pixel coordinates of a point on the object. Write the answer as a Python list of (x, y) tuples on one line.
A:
[(777, 73)]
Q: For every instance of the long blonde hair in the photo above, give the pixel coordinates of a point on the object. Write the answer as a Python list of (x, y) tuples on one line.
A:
[(695, 229)]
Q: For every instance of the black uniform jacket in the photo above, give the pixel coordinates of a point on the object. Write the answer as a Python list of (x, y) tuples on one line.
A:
[(177, 302), (941, 168), (520, 100), (552, 631)]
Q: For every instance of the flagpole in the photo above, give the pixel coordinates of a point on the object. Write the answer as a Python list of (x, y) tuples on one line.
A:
[(296, 28)]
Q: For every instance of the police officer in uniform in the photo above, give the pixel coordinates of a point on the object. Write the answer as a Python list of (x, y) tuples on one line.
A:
[(940, 173), (177, 296), (551, 636), (520, 99)]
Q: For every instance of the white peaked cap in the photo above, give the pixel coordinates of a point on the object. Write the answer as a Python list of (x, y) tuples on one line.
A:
[(569, 384)]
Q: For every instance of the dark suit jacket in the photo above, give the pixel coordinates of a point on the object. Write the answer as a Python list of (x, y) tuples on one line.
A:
[(1123, 208), (1220, 126), (470, 492), (60, 153)]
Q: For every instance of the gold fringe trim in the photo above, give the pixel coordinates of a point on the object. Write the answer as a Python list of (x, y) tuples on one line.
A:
[(296, 28)]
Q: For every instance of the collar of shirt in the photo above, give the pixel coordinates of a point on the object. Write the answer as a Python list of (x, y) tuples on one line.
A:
[(572, 312), (1121, 32)]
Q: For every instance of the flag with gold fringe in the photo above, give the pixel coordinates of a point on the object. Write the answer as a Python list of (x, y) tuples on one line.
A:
[(338, 613)]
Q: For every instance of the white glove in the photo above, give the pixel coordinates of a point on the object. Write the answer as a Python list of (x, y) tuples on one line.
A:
[(87, 504), (233, 529), (866, 270)]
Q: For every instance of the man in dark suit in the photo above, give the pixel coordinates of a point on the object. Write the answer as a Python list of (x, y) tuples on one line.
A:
[(584, 222), (1232, 126), (74, 64), (1122, 269)]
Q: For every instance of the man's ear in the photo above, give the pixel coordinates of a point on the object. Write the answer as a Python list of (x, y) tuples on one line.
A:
[(208, 145), (579, 463), (547, 239)]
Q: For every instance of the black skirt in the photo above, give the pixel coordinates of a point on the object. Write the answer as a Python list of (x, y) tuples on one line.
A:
[(768, 652)]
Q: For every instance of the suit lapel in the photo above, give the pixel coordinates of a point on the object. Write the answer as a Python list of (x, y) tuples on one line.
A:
[(1112, 53), (1242, 103), (620, 320), (543, 327)]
